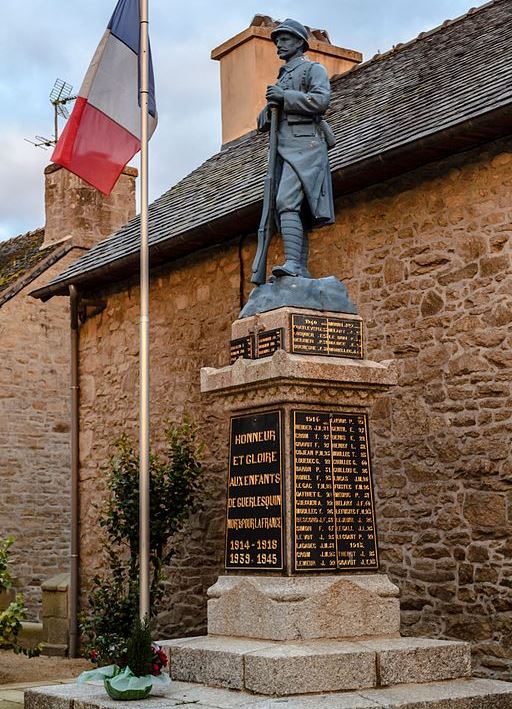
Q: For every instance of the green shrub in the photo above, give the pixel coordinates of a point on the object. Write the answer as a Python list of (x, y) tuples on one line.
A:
[(107, 623), (139, 652), (11, 617), (5, 574)]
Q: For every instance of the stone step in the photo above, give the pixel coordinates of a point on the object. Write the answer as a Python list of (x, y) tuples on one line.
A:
[(284, 668), (452, 694)]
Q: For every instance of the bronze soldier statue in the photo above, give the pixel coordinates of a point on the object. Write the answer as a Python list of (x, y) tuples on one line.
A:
[(302, 197)]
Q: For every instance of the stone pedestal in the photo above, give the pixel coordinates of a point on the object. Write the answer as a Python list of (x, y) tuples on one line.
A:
[(55, 612), (310, 621), (298, 388), (324, 634)]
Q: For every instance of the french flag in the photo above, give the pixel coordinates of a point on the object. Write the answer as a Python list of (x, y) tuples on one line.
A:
[(103, 132)]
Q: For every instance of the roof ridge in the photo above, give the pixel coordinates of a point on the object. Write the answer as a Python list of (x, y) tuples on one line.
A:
[(396, 48), (14, 286), (32, 232)]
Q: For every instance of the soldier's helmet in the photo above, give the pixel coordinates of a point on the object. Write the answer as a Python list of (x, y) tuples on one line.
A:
[(293, 27)]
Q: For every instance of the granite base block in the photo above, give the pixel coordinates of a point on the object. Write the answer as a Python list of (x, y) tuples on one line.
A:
[(299, 608), (212, 660), (404, 660), (272, 668), (304, 668), (284, 668)]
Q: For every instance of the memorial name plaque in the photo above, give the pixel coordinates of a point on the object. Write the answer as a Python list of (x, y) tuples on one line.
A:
[(255, 346), (268, 341), (324, 335), (334, 516), (254, 524), (243, 347)]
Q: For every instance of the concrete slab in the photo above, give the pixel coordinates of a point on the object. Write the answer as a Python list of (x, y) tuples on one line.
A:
[(452, 694), (11, 695), (4, 704)]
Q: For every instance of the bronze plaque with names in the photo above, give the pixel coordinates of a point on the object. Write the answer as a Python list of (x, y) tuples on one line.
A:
[(268, 341), (334, 515), (254, 517), (255, 346), (325, 335), (242, 347)]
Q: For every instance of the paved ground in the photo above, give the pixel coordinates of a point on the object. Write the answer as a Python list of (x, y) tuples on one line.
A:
[(18, 672), (11, 695)]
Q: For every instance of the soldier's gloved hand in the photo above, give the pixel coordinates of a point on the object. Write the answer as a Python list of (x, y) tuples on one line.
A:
[(275, 95)]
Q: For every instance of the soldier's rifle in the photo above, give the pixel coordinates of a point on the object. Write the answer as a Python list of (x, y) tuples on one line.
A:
[(267, 222)]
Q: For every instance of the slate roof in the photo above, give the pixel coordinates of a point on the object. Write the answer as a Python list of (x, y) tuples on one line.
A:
[(18, 255), (459, 74), (19, 258)]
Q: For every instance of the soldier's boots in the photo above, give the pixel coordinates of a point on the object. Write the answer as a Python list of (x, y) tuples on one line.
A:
[(304, 272), (293, 237)]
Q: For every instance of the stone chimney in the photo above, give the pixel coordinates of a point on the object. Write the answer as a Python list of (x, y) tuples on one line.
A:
[(249, 63), (74, 208)]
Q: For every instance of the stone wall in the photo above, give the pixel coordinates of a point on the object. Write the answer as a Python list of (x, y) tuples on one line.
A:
[(427, 258), (34, 436), (34, 385)]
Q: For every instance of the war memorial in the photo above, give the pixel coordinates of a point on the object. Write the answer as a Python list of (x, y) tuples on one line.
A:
[(302, 617)]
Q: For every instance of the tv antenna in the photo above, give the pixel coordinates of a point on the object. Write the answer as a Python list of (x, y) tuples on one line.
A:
[(60, 95)]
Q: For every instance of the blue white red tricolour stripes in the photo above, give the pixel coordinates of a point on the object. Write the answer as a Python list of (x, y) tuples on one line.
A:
[(103, 132)]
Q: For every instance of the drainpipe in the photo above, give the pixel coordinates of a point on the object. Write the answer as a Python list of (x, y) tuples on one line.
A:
[(75, 491)]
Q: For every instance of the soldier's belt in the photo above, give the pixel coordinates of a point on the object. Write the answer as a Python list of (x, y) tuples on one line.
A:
[(297, 118)]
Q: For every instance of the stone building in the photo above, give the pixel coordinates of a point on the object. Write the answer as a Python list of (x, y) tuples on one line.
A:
[(34, 373), (422, 175)]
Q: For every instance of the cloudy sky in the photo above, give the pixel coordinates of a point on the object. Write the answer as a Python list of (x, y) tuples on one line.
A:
[(41, 40)]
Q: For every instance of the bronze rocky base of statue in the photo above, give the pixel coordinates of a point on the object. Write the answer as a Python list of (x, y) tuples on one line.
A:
[(295, 291)]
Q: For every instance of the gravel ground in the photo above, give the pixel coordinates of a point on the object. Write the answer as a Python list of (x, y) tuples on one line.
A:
[(18, 668)]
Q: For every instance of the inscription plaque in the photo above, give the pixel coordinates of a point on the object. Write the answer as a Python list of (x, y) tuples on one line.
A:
[(254, 524), (255, 346), (242, 347), (334, 516), (268, 341), (324, 335)]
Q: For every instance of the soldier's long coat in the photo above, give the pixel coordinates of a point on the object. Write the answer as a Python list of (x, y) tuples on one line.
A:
[(301, 141)]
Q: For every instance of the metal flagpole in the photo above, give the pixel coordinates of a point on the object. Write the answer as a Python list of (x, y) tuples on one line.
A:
[(144, 477)]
